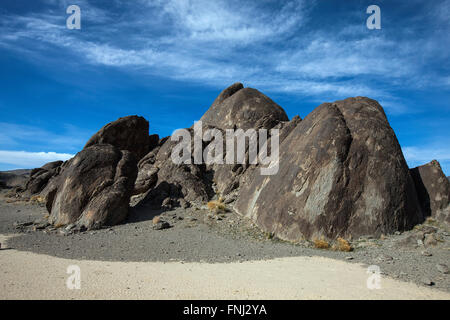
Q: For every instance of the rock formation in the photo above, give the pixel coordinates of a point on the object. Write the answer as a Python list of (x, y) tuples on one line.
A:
[(127, 133), (185, 184), (39, 177), (342, 173), (167, 184), (93, 188), (433, 189)]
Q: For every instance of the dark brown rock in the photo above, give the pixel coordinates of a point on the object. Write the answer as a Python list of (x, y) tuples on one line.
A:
[(127, 133), (235, 107), (39, 177), (153, 141), (168, 184), (433, 190), (341, 173), (147, 172), (93, 188), (244, 108)]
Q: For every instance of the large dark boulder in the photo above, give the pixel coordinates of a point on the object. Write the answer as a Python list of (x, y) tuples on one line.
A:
[(341, 173), (127, 133), (244, 108), (93, 188), (433, 189)]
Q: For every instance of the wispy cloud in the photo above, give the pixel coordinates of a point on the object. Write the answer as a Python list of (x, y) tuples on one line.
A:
[(215, 43), (26, 160)]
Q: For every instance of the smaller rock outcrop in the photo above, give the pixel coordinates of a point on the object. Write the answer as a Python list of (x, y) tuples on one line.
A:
[(127, 133), (433, 190), (39, 177), (93, 188)]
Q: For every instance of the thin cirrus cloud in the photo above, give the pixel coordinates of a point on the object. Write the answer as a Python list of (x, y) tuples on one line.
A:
[(214, 42)]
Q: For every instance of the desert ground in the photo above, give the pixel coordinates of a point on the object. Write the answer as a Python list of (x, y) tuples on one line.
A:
[(200, 257)]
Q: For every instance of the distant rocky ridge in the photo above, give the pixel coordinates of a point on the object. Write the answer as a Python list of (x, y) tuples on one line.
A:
[(341, 173), (13, 178)]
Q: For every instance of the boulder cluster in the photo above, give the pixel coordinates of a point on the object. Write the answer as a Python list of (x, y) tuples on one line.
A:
[(341, 173)]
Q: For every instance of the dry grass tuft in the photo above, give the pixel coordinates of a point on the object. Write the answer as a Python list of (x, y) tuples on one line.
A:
[(156, 219), (37, 199), (321, 244), (342, 245), (216, 206)]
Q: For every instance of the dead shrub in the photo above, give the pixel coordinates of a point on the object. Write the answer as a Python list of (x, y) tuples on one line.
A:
[(156, 219), (216, 206), (321, 244), (342, 245)]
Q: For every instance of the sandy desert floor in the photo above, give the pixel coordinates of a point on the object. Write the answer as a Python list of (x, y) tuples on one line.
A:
[(26, 275), (200, 258)]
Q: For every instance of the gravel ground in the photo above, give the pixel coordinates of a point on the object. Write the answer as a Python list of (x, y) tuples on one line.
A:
[(194, 237)]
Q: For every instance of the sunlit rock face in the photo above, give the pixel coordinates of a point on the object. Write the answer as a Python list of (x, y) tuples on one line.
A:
[(341, 173)]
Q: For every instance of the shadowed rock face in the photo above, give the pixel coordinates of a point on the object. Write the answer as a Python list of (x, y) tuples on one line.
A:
[(127, 133), (93, 188), (433, 189), (342, 173), (39, 177), (243, 108), (168, 184)]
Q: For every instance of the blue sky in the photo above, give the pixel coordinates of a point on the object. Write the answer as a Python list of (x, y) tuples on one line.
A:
[(168, 59)]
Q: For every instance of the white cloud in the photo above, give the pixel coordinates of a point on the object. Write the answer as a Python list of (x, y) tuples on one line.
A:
[(218, 20), (27, 160)]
